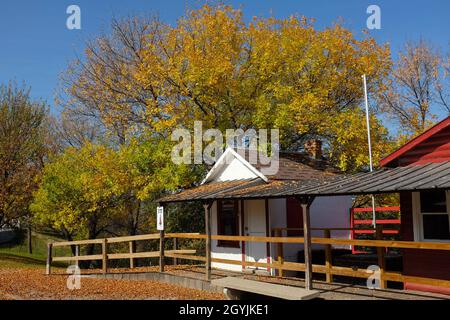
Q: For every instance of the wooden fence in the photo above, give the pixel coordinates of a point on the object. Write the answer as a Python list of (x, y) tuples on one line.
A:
[(356, 224), (188, 254)]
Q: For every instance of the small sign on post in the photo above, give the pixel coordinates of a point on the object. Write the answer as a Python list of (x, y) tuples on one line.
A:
[(160, 218)]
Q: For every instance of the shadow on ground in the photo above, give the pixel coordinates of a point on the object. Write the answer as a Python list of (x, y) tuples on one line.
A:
[(16, 259)]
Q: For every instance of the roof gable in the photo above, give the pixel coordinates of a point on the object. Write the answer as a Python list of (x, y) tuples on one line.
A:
[(391, 159), (232, 166)]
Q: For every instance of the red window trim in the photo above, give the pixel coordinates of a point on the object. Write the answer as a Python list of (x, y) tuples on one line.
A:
[(227, 243)]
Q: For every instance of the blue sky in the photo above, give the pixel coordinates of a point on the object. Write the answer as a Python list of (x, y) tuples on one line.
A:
[(36, 46)]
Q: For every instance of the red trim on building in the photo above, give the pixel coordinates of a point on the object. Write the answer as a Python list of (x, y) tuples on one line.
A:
[(387, 161), (294, 217), (220, 226), (426, 288)]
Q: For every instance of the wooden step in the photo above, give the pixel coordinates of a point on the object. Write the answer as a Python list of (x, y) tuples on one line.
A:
[(265, 289)]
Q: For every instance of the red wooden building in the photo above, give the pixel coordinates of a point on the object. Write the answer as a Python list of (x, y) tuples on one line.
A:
[(419, 171), (425, 215)]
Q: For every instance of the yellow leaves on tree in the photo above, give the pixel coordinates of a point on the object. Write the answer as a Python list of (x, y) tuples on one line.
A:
[(85, 189), (213, 66)]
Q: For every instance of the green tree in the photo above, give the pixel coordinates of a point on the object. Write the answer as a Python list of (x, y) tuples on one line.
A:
[(95, 189)]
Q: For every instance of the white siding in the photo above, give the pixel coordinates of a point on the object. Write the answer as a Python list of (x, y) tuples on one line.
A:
[(235, 170), (331, 212), (223, 252), (325, 212)]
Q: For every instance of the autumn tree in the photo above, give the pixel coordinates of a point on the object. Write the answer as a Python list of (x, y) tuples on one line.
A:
[(213, 66), (72, 130), (23, 148), (95, 189), (101, 88), (269, 73), (315, 87), (419, 88)]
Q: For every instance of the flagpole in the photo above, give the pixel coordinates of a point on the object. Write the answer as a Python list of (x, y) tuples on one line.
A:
[(374, 222)]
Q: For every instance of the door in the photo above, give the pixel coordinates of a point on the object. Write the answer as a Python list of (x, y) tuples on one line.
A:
[(255, 225)]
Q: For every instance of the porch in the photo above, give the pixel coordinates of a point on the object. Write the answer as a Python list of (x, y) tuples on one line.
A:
[(339, 283)]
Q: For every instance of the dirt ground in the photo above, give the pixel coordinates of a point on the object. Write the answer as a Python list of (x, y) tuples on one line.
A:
[(33, 284)]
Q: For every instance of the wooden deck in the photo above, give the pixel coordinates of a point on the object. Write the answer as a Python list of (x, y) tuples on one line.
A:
[(328, 270), (327, 291)]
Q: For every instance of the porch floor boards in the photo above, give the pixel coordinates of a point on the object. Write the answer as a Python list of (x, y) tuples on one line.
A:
[(328, 291)]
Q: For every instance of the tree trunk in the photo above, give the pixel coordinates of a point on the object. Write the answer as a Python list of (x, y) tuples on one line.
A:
[(30, 242), (68, 237)]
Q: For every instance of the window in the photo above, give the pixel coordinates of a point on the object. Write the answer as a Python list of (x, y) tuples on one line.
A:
[(228, 222), (433, 216)]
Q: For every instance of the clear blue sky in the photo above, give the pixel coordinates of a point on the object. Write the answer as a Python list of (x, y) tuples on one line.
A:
[(36, 46)]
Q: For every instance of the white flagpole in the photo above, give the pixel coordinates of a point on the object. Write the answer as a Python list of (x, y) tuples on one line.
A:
[(374, 222)]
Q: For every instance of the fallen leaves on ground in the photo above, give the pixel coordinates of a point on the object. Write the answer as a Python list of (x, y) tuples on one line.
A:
[(34, 284)]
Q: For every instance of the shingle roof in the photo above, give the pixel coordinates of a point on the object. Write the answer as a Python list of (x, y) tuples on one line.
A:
[(387, 180), (293, 166), (296, 170)]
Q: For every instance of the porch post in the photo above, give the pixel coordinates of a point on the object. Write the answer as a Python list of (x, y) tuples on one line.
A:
[(305, 203), (207, 206), (162, 244)]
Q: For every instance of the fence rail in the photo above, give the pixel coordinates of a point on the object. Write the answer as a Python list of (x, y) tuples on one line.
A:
[(363, 225), (279, 264)]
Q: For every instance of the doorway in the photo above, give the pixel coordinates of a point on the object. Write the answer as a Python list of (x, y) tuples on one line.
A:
[(255, 225)]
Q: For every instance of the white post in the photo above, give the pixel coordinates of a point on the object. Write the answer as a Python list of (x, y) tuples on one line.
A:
[(374, 222)]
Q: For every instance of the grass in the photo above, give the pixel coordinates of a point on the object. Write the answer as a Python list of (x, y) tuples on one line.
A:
[(15, 254)]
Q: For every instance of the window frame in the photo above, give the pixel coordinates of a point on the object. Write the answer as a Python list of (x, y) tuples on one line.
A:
[(228, 243), (418, 217)]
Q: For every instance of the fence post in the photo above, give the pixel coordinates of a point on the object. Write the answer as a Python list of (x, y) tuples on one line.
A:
[(77, 253), (161, 251), (352, 228), (175, 248), (105, 256), (48, 268), (305, 205), (328, 258), (131, 245), (380, 255), (280, 252)]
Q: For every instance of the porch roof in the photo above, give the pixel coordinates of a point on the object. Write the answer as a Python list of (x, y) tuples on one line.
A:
[(386, 180)]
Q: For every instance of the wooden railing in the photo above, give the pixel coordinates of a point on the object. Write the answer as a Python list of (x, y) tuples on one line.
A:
[(105, 256), (328, 269)]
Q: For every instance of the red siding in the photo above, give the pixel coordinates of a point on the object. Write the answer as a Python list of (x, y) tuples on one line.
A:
[(433, 146), (417, 262), (434, 149), (423, 146), (294, 217)]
